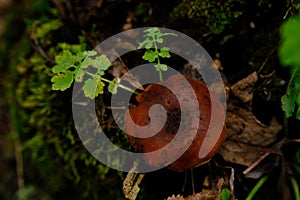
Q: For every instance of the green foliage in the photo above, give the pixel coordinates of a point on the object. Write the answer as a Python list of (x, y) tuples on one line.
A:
[(48, 135), (289, 54), (291, 100), (43, 117), (73, 63), (258, 186), (153, 37), (215, 15), (112, 87), (290, 47), (293, 8), (91, 85), (225, 195), (46, 28), (295, 187)]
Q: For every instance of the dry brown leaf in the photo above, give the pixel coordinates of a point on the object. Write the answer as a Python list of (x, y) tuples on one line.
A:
[(246, 136), (244, 88)]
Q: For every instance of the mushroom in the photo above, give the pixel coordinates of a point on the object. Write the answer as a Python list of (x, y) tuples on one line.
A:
[(158, 94)]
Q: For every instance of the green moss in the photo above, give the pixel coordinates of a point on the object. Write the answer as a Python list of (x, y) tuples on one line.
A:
[(55, 160), (215, 15)]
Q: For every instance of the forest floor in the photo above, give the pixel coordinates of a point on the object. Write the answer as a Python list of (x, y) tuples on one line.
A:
[(261, 145)]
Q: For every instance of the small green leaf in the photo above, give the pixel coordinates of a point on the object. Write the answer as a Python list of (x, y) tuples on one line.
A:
[(75, 48), (64, 46), (62, 81), (64, 61), (89, 53), (225, 194), (93, 87), (59, 68), (160, 40), (79, 75), (86, 63), (43, 30), (64, 57), (296, 78), (161, 67), (164, 52), (141, 44), (80, 56), (291, 100), (147, 43), (289, 51), (113, 86), (152, 31), (102, 63), (150, 55), (288, 105)]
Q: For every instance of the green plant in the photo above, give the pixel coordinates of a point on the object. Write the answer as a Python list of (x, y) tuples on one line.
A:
[(41, 116), (43, 32), (295, 188), (73, 63), (262, 181), (258, 185), (289, 54), (293, 7), (153, 37), (225, 194)]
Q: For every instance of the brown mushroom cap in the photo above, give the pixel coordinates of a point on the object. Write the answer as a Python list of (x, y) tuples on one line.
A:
[(158, 94)]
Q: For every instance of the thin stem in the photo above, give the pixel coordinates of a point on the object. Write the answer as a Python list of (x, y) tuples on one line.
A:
[(158, 60), (268, 57), (128, 89), (160, 75), (185, 180), (295, 188), (253, 165), (120, 85), (257, 187), (109, 81), (193, 183), (91, 74), (116, 107)]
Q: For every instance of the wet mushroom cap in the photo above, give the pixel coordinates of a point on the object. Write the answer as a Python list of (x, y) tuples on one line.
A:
[(158, 94)]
